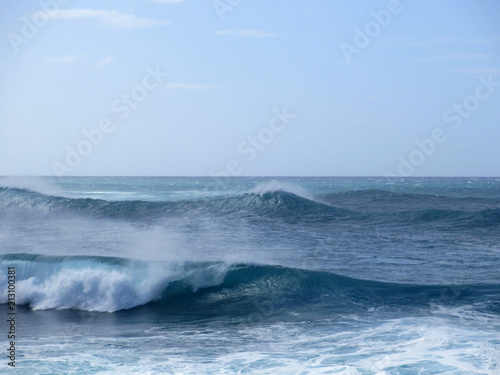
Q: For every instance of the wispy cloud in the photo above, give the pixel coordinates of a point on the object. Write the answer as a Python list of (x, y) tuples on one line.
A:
[(453, 57), (476, 70), (62, 59), (106, 61), (166, 1), (190, 86), (246, 33), (111, 18), (437, 41), (390, 96)]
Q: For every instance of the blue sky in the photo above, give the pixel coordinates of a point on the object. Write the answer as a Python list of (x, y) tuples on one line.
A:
[(420, 94)]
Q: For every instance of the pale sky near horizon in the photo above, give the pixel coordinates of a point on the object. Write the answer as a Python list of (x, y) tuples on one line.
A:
[(270, 88)]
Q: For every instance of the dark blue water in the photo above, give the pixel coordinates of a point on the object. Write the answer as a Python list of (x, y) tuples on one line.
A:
[(260, 275)]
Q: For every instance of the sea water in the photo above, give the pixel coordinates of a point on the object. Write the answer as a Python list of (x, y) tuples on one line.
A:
[(153, 275)]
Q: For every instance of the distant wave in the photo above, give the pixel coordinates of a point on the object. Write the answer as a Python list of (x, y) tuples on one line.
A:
[(275, 202), (34, 184), (391, 199), (274, 186), (108, 284), (409, 208)]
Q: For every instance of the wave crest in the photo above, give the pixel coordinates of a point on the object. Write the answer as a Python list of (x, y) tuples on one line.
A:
[(111, 284), (274, 186), (104, 284), (274, 200)]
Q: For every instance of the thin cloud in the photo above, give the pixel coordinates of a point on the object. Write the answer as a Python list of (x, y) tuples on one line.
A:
[(106, 61), (438, 41), (476, 70), (190, 86), (390, 96), (62, 59), (165, 1), (111, 18), (453, 57), (246, 33)]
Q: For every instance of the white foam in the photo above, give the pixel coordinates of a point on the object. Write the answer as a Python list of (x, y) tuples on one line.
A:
[(36, 184), (276, 186), (423, 345), (104, 289)]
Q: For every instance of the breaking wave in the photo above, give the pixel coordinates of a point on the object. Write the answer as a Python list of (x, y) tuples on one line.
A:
[(273, 202), (109, 284)]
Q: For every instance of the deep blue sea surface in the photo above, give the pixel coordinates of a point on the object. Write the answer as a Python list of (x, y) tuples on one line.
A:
[(149, 275)]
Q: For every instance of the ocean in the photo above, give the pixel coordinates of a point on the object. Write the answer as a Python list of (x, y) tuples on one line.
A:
[(178, 275)]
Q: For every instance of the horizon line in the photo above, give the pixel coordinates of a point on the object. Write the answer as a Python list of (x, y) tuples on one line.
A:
[(249, 176)]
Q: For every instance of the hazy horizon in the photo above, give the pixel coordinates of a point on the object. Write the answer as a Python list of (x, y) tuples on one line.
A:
[(243, 176)]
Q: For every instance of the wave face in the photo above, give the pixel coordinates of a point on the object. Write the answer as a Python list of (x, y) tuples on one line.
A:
[(276, 202), (109, 284), (373, 206)]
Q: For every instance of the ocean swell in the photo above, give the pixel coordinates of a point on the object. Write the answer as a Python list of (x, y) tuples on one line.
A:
[(271, 203)]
